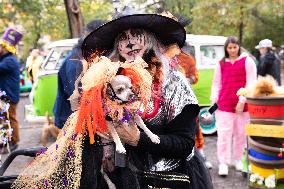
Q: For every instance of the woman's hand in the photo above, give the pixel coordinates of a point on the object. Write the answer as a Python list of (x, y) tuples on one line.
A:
[(241, 104), (129, 134), (240, 107)]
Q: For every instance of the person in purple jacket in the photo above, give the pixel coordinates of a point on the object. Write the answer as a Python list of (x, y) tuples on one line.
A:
[(10, 77)]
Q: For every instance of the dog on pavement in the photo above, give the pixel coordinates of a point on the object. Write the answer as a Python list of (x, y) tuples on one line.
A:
[(49, 129)]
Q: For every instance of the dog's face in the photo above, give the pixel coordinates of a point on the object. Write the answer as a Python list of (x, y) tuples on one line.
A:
[(120, 88)]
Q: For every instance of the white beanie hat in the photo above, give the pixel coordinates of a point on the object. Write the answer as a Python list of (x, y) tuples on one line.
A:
[(264, 43)]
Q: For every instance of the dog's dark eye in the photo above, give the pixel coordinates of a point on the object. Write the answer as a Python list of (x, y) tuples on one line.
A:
[(119, 90)]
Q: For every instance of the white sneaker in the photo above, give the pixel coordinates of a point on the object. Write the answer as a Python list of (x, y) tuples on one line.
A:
[(208, 164), (223, 169), (239, 165)]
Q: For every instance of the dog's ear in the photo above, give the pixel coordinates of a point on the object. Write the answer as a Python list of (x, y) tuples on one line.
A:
[(110, 92), (119, 71)]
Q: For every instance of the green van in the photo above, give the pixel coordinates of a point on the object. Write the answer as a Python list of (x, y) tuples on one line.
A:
[(43, 94)]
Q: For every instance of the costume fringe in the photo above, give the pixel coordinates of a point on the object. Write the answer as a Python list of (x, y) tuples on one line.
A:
[(60, 166)]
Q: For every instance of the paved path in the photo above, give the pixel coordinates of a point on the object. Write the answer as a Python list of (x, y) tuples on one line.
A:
[(234, 180)]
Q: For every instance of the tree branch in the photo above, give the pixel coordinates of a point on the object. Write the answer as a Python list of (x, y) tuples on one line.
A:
[(255, 13)]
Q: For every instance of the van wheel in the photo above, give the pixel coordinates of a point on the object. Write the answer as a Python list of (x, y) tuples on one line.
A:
[(207, 121)]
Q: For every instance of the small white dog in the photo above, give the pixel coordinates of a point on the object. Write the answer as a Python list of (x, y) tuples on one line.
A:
[(120, 90)]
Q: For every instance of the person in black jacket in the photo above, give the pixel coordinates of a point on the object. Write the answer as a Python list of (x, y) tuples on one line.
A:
[(269, 63)]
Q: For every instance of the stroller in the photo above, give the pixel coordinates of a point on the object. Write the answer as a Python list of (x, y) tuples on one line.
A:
[(6, 181)]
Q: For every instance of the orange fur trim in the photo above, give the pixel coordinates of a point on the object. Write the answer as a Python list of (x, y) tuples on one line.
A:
[(188, 66), (199, 139), (186, 62), (91, 113), (135, 79), (90, 130)]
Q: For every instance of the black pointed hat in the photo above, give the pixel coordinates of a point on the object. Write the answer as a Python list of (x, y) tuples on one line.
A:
[(166, 29)]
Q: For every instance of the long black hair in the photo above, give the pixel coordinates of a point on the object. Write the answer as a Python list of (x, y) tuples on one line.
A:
[(234, 40)]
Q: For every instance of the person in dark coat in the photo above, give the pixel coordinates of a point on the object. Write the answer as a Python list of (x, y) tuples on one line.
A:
[(67, 75), (10, 77), (269, 63)]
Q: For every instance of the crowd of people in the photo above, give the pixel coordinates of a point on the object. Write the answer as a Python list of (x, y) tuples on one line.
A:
[(86, 158)]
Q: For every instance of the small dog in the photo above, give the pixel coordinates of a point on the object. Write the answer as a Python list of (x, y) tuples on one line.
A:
[(264, 86), (120, 90), (49, 129)]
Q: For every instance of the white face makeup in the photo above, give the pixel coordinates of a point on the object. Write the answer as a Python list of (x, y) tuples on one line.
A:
[(132, 44)]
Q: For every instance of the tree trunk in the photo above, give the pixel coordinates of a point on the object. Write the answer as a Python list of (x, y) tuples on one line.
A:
[(241, 31), (241, 24), (75, 19)]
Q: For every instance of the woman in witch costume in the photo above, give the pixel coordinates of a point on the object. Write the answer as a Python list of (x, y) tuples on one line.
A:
[(75, 160)]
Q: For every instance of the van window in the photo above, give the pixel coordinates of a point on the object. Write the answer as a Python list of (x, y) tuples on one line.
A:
[(52, 60), (211, 54), (56, 58), (63, 56)]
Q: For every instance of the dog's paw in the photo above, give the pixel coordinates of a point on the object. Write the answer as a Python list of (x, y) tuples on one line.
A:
[(155, 139), (120, 149)]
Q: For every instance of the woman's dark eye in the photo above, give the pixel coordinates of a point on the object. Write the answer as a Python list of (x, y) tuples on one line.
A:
[(122, 37)]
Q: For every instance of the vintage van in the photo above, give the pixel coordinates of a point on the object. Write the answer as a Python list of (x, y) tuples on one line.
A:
[(43, 94)]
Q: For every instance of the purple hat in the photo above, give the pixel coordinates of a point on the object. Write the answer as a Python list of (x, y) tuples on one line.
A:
[(10, 39)]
